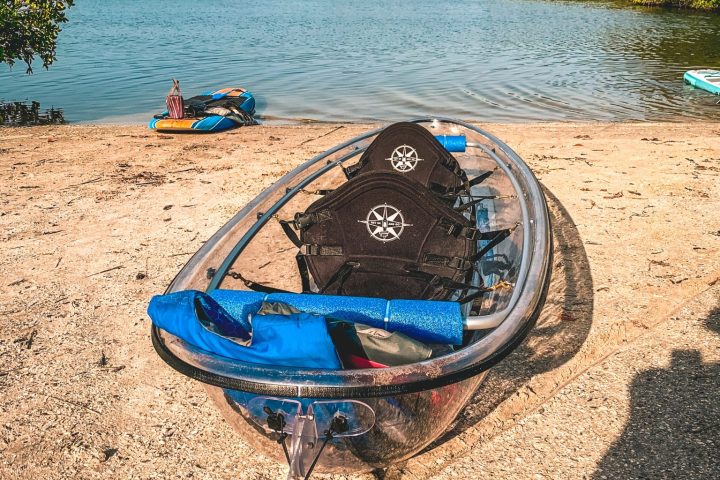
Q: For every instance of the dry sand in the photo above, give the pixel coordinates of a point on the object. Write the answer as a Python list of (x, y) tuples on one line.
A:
[(620, 379)]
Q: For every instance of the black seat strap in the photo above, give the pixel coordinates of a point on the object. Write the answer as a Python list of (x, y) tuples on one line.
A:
[(458, 230), (456, 263), (434, 280), (292, 236), (340, 276), (475, 200), (481, 178), (303, 270), (305, 220), (495, 238), (468, 185), (258, 287)]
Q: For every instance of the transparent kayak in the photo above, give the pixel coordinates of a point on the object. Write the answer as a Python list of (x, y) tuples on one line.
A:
[(359, 420)]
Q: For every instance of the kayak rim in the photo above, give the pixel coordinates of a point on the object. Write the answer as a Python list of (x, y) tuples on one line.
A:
[(463, 364)]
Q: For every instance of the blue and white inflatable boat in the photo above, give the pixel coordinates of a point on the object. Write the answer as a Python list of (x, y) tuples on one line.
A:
[(213, 111), (708, 80)]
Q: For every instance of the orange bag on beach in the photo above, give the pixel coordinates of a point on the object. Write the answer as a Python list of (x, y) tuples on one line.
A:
[(174, 101)]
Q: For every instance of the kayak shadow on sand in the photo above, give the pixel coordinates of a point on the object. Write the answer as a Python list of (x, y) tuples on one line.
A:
[(561, 329), (672, 430)]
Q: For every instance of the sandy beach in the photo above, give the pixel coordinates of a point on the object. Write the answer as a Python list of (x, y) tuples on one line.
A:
[(620, 379)]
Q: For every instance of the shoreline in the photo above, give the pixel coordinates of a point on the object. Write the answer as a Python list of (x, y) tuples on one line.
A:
[(275, 123), (96, 219)]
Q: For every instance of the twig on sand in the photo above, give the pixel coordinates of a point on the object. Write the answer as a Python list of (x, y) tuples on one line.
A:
[(106, 270), (93, 180), (323, 135), (16, 282), (70, 402), (29, 340)]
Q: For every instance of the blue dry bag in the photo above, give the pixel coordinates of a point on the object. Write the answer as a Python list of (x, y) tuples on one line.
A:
[(296, 340)]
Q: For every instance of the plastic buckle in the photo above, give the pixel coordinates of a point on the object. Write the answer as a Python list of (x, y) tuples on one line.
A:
[(470, 233), (459, 263), (310, 249)]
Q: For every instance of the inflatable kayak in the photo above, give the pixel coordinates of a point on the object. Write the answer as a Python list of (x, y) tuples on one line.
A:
[(704, 79), (212, 111), (252, 315)]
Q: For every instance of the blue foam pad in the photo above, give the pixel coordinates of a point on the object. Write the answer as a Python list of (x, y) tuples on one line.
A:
[(353, 309), (239, 304), (452, 143), (428, 321), (424, 320), (298, 340)]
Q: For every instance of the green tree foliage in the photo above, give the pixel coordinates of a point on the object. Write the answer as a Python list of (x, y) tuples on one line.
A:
[(29, 28), (694, 4)]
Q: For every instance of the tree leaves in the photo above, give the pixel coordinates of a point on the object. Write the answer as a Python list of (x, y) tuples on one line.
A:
[(30, 28)]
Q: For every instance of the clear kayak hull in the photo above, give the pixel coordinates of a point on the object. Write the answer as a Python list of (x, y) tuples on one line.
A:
[(392, 413)]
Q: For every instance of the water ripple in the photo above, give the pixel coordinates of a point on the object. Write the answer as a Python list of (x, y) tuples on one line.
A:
[(365, 60)]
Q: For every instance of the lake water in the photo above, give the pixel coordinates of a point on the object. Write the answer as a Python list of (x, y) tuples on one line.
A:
[(364, 60)]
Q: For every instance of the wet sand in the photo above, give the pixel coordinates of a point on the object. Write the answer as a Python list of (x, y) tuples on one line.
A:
[(96, 219)]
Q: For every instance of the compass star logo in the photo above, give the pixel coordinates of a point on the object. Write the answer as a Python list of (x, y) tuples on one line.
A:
[(404, 159), (385, 223)]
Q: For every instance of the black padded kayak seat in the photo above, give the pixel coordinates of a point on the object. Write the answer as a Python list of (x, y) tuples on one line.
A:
[(385, 235), (412, 151)]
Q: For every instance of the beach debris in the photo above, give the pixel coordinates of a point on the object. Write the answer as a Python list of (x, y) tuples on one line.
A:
[(106, 270), (109, 453), (27, 341), (321, 136), (660, 263), (614, 195)]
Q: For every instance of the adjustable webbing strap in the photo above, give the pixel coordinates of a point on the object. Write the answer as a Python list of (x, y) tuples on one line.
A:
[(452, 193), (475, 200), (323, 250), (351, 170), (254, 285), (305, 220), (481, 178), (340, 276), (458, 230), (495, 238), (321, 192), (437, 280), (303, 270), (457, 263), (292, 236), (474, 296)]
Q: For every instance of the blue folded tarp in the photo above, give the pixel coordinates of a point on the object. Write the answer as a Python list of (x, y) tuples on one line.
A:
[(296, 340)]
